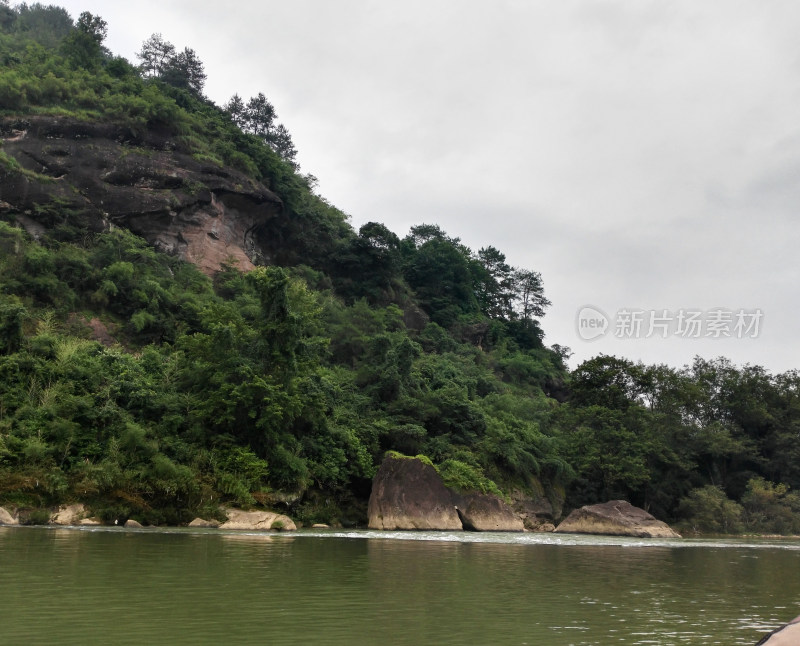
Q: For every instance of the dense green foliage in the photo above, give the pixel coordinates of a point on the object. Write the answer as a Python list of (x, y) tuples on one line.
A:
[(132, 382), (688, 443), (233, 389)]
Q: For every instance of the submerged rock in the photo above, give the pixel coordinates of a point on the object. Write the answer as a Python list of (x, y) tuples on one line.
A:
[(485, 513), (616, 518), (407, 493), (6, 518), (788, 635), (257, 520)]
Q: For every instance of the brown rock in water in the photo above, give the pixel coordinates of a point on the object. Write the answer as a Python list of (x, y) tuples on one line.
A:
[(202, 522), (407, 493), (69, 515), (615, 518), (132, 524), (6, 518), (257, 520), (486, 513)]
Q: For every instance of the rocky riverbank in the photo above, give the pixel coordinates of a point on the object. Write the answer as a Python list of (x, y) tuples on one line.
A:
[(77, 514), (409, 494)]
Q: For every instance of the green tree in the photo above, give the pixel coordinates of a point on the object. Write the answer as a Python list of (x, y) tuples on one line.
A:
[(236, 109), (83, 46), (494, 283), (609, 451), (93, 26), (439, 270), (606, 381), (155, 55), (770, 507), (186, 71), (369, 265), (709, 510), (7, 16), (529, 294), (12, 316), (44, 24), (258, 117)]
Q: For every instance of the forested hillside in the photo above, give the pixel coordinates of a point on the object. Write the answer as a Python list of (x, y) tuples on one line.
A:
[(143, 387)]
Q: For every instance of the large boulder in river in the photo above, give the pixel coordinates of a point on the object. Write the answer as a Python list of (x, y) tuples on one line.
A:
[(616, 518), (408, 493), (257, 520), (6, 518), (69, 515), (486, 513)]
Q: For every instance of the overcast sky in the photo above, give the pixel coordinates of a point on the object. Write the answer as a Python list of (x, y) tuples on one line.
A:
[(643, 155)]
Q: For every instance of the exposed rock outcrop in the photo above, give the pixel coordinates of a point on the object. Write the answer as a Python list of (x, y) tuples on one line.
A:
[(202, 522), (616, 518), (132, 524), (6, 518), (788, 635), (96, 175), (257, 520), (409, 494), (485, 513), (69, 515)]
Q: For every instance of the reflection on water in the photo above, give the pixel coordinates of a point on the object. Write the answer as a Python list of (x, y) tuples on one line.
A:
[(101, 585)]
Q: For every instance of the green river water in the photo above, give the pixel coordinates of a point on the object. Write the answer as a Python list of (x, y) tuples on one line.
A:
[(114, 586)]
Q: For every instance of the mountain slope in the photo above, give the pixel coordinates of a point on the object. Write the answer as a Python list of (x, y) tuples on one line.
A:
[(140, 386)]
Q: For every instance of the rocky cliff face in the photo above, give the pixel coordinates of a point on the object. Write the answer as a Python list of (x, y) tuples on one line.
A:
[(94, 176)]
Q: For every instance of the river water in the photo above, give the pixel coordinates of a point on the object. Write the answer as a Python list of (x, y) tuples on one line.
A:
[(115, 586)]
